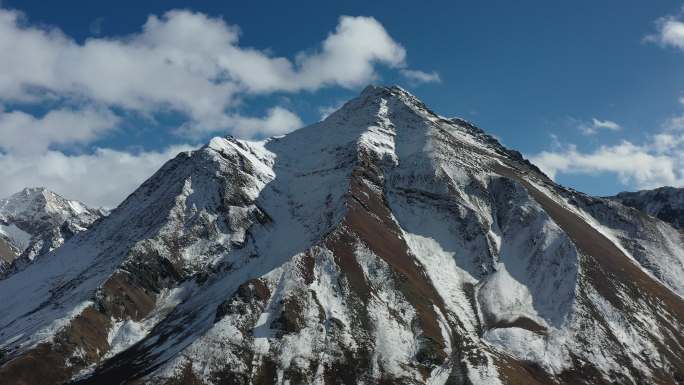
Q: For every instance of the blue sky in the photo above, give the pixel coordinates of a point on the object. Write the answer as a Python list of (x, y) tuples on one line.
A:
[(592, 91)]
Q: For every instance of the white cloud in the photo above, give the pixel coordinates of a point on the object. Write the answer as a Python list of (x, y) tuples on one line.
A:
[(347, 55), (656, 163), (674, 123), (666, 143), (23, 133), (417, 76), (183, 61), (596, 124), (670, 33), (607, 124), (103, 178), (278, 121)]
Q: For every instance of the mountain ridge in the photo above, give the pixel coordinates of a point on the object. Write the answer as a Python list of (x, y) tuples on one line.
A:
[(665, 203), (35, 221), (385, 244)]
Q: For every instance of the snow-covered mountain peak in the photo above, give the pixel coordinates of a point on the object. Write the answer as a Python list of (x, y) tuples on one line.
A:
[(385, 123), (374, 91), (32, 201), (36, 220), (400, 113), (384, 244)]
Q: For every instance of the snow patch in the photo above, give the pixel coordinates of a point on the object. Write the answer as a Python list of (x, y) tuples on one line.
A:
[(19, 238), (504, 299), (125, 333)]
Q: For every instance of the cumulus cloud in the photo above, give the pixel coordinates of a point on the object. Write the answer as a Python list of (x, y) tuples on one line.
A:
[(596, 125), (667, 143), (103, 178), (658, 162), (669, 32), (347, 55), (23, 133), (184, 61), (418, 76), (277, 121)]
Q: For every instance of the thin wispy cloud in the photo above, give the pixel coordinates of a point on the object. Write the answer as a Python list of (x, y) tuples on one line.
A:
[(674, 123), (418, 77), (597, 125), (96, 26)]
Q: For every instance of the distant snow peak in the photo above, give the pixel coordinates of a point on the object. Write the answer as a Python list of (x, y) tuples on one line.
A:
[(38, 199), (35, 220)]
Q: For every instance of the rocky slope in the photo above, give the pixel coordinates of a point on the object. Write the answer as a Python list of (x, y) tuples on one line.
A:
[(35, 221), (664, 203), (384, 245)]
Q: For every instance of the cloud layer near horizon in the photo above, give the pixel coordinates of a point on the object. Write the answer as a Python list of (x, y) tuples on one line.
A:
[(183, 62), (659, 161)]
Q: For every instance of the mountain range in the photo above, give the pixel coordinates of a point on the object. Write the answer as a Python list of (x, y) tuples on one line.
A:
[(385, 244)]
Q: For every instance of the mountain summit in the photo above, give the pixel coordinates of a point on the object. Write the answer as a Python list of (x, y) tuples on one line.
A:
[(35, 221), (383, 245)]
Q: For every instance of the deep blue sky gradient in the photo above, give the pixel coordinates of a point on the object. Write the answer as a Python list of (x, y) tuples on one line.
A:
[(519, 70)]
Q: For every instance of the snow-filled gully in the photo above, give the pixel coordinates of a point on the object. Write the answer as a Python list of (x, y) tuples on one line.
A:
[(595, 245)]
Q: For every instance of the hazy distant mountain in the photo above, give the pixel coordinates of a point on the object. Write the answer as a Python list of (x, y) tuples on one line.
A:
[(384, 245), (665, 203), (35, 221)]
